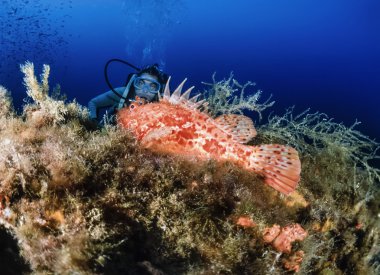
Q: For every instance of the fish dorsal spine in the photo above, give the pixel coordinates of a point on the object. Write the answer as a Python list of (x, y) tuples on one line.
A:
[(179, 98), (239, 127)]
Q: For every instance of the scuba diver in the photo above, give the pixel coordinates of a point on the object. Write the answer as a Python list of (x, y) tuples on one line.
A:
[(145, 84)]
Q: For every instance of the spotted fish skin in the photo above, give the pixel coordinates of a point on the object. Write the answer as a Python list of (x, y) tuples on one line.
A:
[(176, 126)]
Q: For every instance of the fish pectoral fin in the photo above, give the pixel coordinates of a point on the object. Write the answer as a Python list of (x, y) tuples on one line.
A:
[(156, 134), (239, 126)]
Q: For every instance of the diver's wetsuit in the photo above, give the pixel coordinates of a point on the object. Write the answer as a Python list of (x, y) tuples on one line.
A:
[(106, 100)]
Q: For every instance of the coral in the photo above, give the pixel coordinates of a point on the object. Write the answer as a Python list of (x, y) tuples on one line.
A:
[(245, 222), (294, 261), (95, 202), (271, 233), (282, 238), (37, 91), (227, 96)]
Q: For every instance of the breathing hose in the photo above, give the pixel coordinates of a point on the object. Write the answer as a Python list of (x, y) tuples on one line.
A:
[(106, 73)]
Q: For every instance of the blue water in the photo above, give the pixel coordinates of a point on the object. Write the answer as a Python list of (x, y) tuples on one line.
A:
[(321, 54)]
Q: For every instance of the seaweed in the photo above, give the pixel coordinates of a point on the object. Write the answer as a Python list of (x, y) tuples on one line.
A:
[(77, 200), (228, 96)]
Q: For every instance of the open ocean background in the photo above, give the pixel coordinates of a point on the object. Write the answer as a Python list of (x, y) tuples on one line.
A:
[(323, 55)]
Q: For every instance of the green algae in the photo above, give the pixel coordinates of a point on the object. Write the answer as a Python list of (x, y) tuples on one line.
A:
[(94, 202)]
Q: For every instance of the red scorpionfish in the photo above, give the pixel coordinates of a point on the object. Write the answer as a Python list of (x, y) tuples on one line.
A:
[(175, 125)]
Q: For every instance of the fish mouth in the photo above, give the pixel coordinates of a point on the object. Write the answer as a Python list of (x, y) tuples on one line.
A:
[(139, 100)]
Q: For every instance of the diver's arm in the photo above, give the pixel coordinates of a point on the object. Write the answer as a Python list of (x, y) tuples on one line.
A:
[(105, 100)]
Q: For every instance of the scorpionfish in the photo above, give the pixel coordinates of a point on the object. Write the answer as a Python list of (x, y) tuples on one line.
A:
[(177, 125)]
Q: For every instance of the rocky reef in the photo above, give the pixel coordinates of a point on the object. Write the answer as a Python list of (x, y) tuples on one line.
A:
[(84, 201)]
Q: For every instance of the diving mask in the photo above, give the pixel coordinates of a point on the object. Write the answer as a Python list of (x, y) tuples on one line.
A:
[(147, 84)]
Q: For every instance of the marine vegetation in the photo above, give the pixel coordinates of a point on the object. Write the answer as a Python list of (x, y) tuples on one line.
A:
[(227, 96), (83, 201)]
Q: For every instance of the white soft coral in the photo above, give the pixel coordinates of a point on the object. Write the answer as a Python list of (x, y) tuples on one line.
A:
[(46, 110)]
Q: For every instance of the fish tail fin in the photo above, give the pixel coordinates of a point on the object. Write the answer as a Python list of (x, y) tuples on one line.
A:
[(280, 166)]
